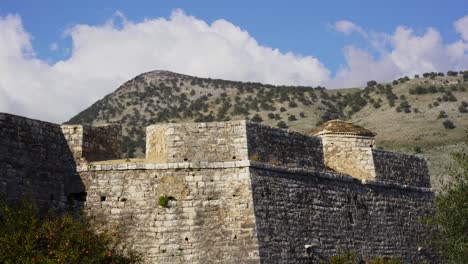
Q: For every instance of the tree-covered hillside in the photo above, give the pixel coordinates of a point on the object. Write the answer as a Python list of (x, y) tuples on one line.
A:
[(421, 115)]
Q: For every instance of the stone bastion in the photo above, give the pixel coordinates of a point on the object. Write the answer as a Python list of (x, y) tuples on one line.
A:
[(236, 192)]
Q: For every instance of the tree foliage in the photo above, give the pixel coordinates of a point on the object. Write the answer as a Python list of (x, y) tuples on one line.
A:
[(450, 220), (448, 124), (26, 238)]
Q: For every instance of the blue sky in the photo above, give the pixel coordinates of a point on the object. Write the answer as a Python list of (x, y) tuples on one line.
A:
[(58, 57), (299, 26)]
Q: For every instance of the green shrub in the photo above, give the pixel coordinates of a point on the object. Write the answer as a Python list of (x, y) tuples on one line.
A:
[(371, 83), (418, 149), (164, 201), (282, 124), (463, 108), (256, 118), (54, 238), (347, 257), (448, 124), (380, 260), (292, 104), (449, 223), (442, 114)]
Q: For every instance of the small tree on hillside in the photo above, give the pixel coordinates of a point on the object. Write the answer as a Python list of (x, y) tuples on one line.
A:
[(448, 124), (450, 222), (442, 114), (292, 118), (371, 83), (282, 124), (256, 118)]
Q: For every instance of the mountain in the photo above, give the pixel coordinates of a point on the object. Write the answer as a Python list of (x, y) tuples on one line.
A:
[(426, 115)]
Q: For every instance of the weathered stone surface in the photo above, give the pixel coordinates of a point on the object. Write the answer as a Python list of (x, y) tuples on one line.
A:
[(89, 143), (238, 192), (401, 168), (295, 209), (156, 144), (217, 141), (349, 154), (280, 147), (209, 218), (35, 161)]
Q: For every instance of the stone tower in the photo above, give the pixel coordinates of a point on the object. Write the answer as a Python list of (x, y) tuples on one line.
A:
[(347, 148)]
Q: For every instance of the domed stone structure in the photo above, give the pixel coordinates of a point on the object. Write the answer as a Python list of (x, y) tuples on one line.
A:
[(347, 148)]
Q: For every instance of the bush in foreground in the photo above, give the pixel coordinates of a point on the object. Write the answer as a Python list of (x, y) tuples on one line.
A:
[(450, 221), (26, 238)]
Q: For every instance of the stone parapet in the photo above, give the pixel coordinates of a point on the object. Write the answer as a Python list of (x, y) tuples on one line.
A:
[(179, 142), (401, 168), (94, 143), (286, 148), (331, 175), (35, 161)]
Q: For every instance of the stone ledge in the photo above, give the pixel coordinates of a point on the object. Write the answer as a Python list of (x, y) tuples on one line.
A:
[(241, 164), (164, 166), (336, 176)]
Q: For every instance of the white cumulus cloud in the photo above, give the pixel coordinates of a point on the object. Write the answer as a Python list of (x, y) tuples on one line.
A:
[(461, 25), (104, 56), (347, 27), (53, 46), (402, 53)]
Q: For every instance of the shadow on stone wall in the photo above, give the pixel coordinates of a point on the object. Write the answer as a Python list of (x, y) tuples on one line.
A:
[(285, 148), (401, 168), (35, 161)]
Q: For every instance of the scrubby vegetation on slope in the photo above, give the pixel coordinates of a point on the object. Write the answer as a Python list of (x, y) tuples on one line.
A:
[(404, 113)]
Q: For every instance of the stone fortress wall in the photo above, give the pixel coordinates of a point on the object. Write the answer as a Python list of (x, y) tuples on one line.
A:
[(93, 143), (238, 192), (182, 142), (35, 159), (396, 167)]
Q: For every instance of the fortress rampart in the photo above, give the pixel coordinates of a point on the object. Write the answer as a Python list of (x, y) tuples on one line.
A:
[(88, 143), (238, 191)]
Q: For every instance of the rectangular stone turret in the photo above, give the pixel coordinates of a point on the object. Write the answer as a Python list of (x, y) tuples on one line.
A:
[(231, 141), (93, 143)]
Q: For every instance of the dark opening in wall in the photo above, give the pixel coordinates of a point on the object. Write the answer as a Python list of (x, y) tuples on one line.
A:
[(52, 197), (43, 175), (185, 159), (103, 198), (234, 157), (351, 219), (78, 197), (76, 200)]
